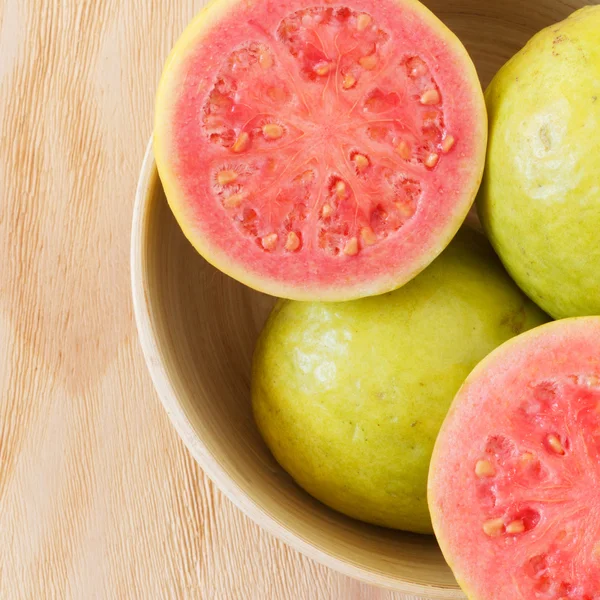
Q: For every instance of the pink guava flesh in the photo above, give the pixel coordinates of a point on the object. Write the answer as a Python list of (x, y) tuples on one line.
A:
[(514, 484), (326, 145)]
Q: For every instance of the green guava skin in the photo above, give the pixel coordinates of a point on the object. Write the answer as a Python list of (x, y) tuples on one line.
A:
[(350, 396), (540, 197)]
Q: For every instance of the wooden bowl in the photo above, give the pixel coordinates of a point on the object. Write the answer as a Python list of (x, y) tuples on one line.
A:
[(198, 329)]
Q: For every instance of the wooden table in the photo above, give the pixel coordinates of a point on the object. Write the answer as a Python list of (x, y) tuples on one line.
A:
[(98, 497)]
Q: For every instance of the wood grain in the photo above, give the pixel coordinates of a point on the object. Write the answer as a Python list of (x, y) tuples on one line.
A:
[(98, 497)]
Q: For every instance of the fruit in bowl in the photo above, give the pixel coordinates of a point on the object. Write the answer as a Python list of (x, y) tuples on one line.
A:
[(350, 396), (540, 198), (514, 487), (320, 151)]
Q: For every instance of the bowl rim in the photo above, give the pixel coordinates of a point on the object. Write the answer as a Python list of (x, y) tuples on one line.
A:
[(216, 472)]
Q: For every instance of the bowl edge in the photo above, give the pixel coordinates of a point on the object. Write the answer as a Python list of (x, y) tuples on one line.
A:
[(207, 462)]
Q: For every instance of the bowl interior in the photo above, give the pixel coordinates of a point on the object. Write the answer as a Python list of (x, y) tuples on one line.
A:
[(198, 329), (203, 327)]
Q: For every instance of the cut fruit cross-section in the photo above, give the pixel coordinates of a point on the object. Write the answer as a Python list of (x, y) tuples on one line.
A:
[(319, 151), (514, 482)]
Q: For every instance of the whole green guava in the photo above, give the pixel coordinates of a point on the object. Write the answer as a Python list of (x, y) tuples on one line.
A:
[(350, 396), (540, 197)]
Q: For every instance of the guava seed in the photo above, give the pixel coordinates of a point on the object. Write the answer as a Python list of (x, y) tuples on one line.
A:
[(360, 161), (323, 69), (272, 131), (526, 458), (403, 149), (265, 60), (226, 177), (368, 62), (292, 242), (555, 444), (351, 247), (404, 210), (340, 189), (349, 81), (515, 527), (484, 468), (430, 97), (326, 211), (447, 143), (363, 21), (368, 236), (233, 201), (241, 143), (269, 241), (432, 160), (493, 527)]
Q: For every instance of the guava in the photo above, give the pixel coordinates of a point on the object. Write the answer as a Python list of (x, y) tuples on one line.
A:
[(514, 485), (319, 151), (540, 198), (350, 396)]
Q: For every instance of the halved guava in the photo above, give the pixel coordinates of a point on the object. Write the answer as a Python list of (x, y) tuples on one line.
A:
[(514, 483), (319, 150)]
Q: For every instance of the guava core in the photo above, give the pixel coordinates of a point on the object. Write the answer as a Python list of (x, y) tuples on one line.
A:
[(350, 396), (317, 150), (540, 198)]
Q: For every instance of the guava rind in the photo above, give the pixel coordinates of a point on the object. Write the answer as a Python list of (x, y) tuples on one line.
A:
[(539, 202), (349, 396)]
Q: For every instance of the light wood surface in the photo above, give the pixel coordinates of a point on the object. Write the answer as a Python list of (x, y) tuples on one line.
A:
[(98, 497)]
